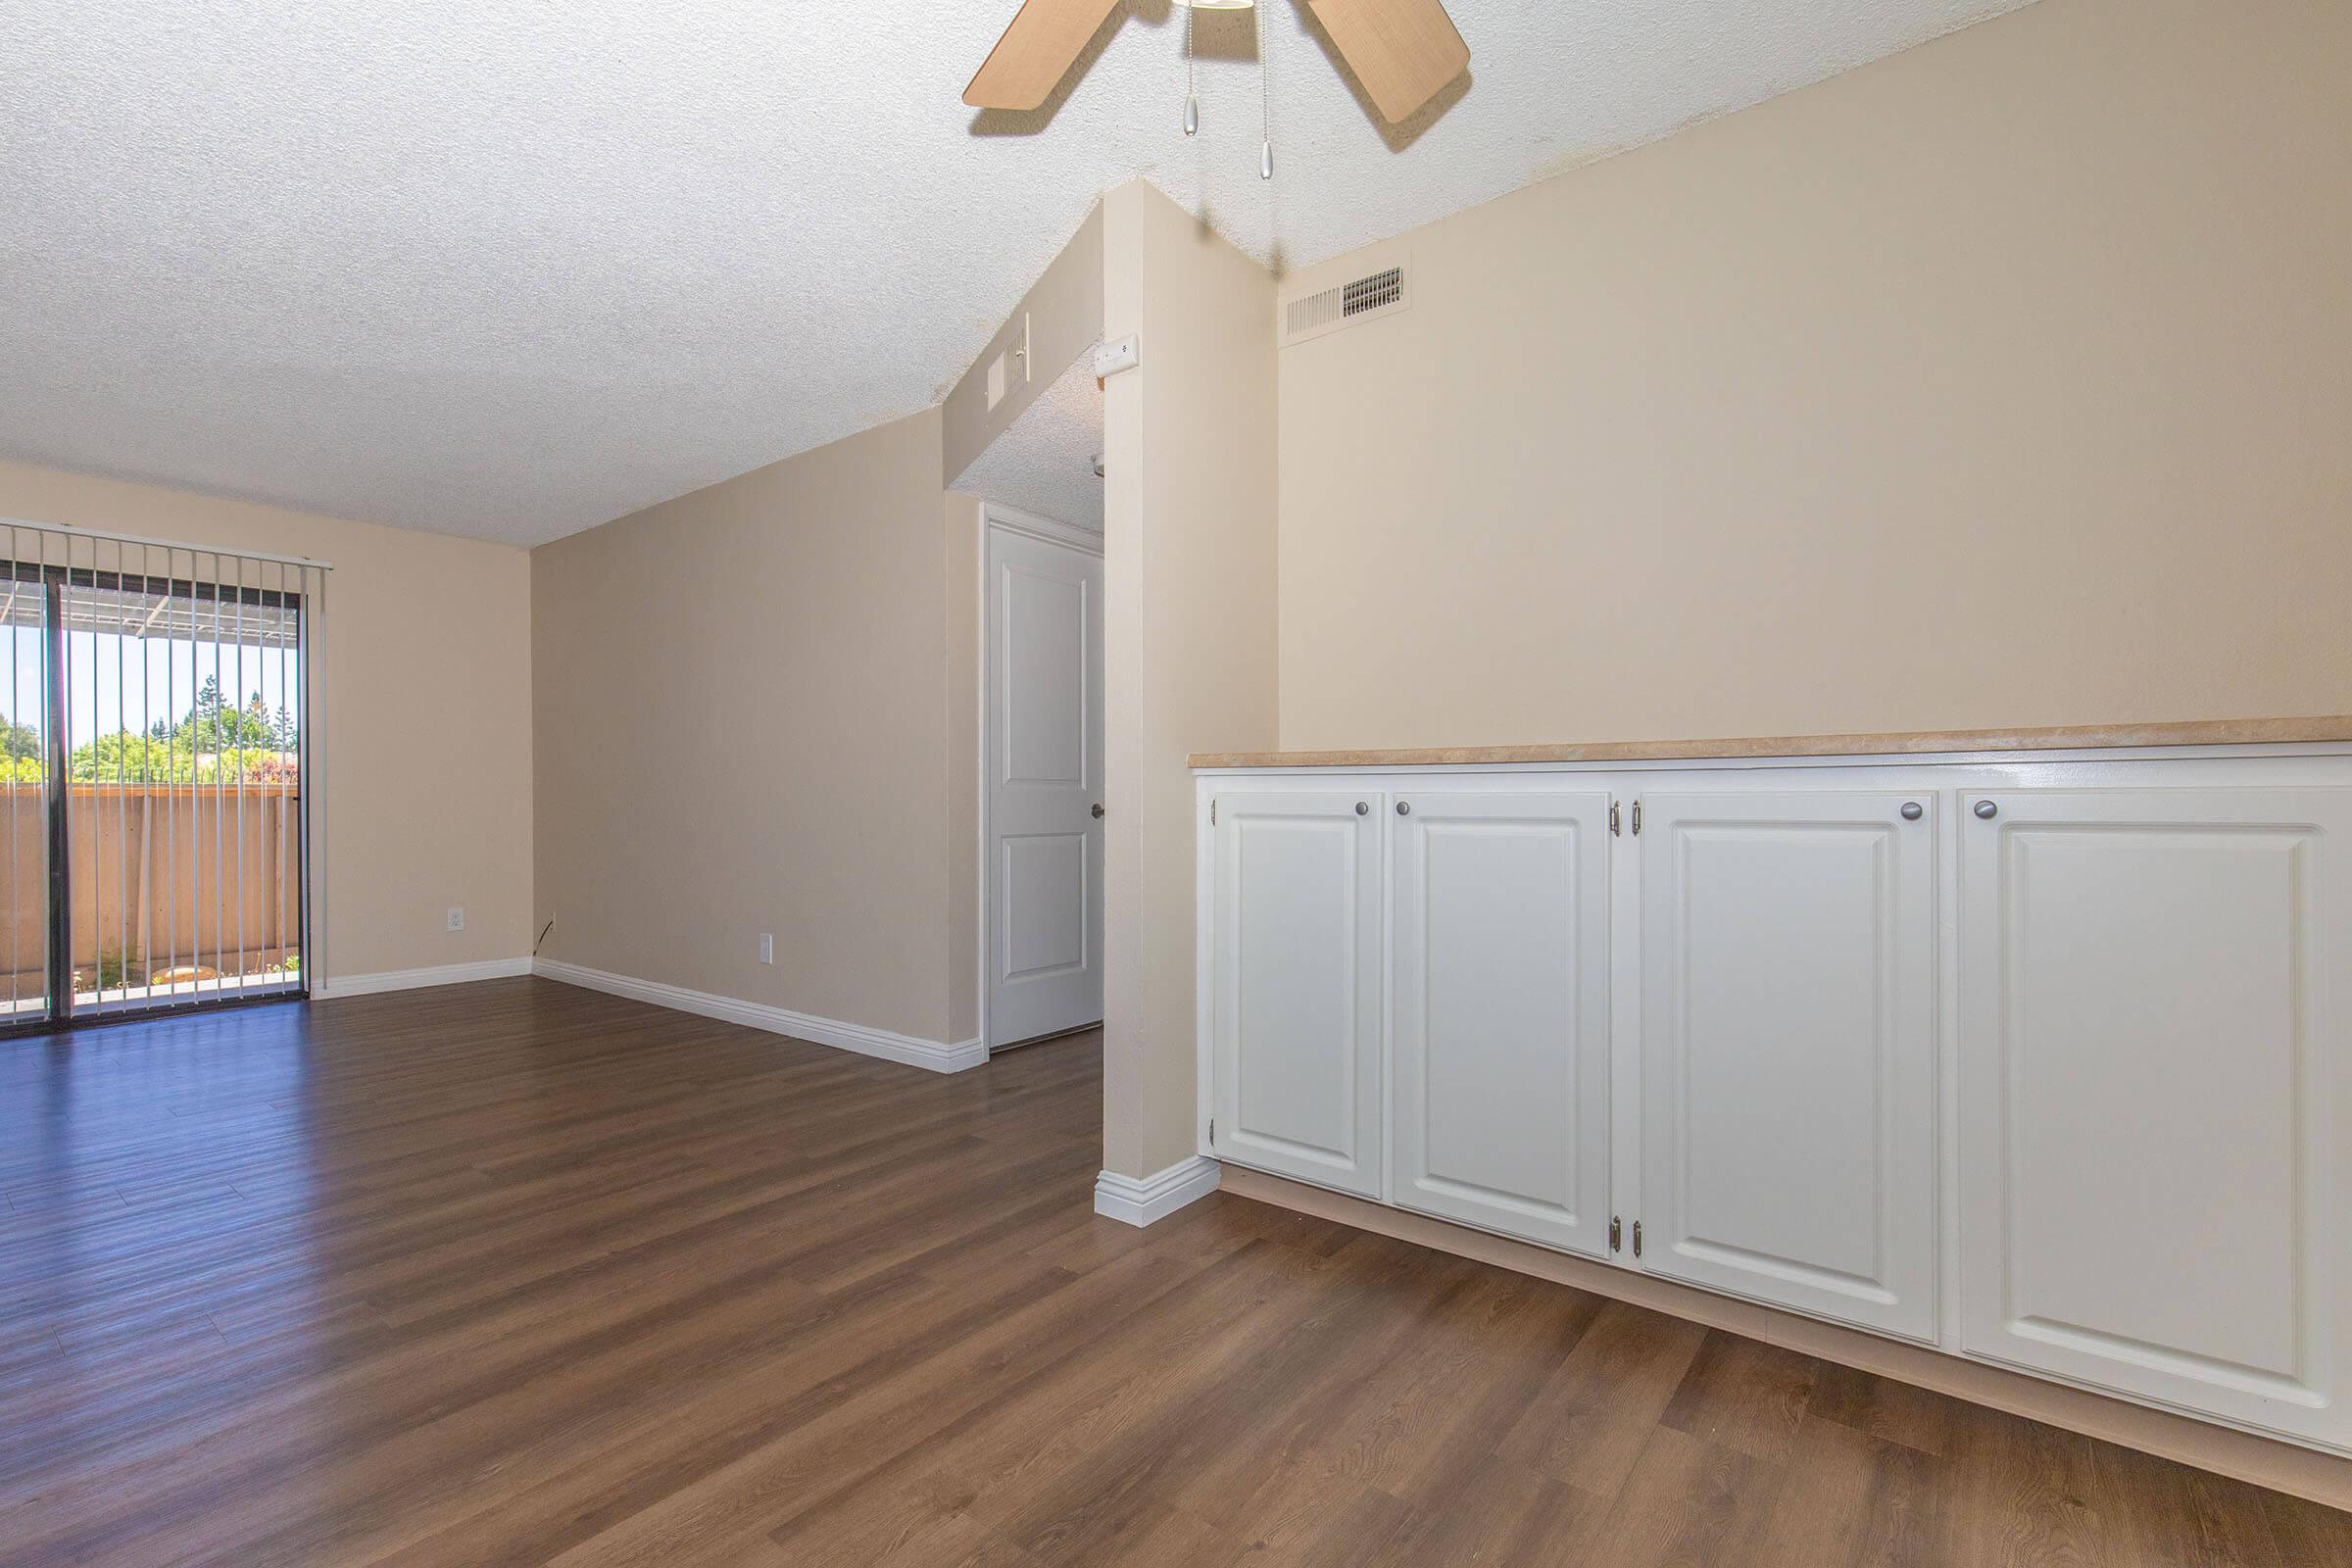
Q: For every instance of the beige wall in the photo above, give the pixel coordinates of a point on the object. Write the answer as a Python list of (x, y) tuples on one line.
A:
[(1189, 591), (961, 692), (2003, 382), (1060, 318), (425, 682), (743, 715)]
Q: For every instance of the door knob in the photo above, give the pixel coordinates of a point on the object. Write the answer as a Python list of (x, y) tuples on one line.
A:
[(1987, 811), (1913, 810), (1098, 809)]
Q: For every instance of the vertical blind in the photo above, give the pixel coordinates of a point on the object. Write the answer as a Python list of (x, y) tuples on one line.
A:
[(161, 722)]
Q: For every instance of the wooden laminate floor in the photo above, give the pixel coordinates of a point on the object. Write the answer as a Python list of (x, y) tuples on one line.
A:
[(516, 1273)]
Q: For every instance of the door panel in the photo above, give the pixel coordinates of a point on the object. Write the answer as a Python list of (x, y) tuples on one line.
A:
[(2153, 1089), (1044, 878), (1297, 984), (1499, 1001), (1789, 1051), (1048, 599), (1044, 778)]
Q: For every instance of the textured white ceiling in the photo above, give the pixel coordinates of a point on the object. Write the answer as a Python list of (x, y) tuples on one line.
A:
[(513, 268), (1044, 461)]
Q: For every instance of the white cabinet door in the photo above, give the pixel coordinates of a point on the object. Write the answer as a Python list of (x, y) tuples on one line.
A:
[(1788, 1050), (1297, 984), (1499, 1011), (2155, 1081)]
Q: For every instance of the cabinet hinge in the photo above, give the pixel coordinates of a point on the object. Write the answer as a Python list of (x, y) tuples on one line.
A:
[(1616, 1233), (1637, 834), (1213, 1132), (1636, 1238), (1613, 824), (1213, 813)]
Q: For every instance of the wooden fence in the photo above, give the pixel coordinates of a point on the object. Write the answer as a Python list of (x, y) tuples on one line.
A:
[(165, 877)]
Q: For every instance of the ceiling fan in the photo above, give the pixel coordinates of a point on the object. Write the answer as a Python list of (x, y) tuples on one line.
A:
[(1401, 50)]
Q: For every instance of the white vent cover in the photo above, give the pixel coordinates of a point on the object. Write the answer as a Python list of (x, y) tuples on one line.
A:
[(1380, 292)]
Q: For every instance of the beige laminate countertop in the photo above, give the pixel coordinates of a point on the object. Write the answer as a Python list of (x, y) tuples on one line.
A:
[(2063, 738)]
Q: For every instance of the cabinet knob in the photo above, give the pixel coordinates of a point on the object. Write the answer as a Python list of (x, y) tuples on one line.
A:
[(1404, 809), (1987, 811), (1363, 807), (1913, 810)]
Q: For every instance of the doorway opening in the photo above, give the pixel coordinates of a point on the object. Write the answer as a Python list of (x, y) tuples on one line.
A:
[(1042, 803)]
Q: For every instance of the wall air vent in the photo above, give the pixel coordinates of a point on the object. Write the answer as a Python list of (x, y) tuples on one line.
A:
[(1327, 310), (1371, 293)]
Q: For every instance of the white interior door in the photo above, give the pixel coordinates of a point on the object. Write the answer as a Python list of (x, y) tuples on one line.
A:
[(1297, 984), (1500, 1010), (2155, 1089), (1045, 787), (1788, 1050)]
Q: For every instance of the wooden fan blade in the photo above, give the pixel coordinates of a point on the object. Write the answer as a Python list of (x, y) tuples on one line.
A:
[(1045, 36), (1401, 50)]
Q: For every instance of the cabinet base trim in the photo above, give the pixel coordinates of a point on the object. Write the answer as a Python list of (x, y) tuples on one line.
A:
[(2241, 1456), (1145, 1200)]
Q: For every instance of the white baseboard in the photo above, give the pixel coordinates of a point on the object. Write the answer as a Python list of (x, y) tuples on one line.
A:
[(1155, 1197), (439, 974), (859, 1038)]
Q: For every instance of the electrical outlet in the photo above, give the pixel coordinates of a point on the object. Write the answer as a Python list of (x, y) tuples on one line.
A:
[(457, 917), (768, 947)]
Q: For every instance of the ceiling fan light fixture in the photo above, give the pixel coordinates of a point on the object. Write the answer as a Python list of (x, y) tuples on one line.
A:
[(1403, 52)]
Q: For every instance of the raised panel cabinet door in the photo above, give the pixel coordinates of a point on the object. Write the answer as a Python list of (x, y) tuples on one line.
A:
[(2154, 1080), (1499, 1011), (1297, 984), (1788, 1064)]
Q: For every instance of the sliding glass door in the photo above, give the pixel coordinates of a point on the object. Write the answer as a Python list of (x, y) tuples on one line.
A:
[(156, 835), (25, 736)]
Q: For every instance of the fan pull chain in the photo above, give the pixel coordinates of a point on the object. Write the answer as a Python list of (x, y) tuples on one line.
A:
[(1266, 102), (1192, 104)]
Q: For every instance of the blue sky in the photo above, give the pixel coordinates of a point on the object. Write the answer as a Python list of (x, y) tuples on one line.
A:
[(104, 687)]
